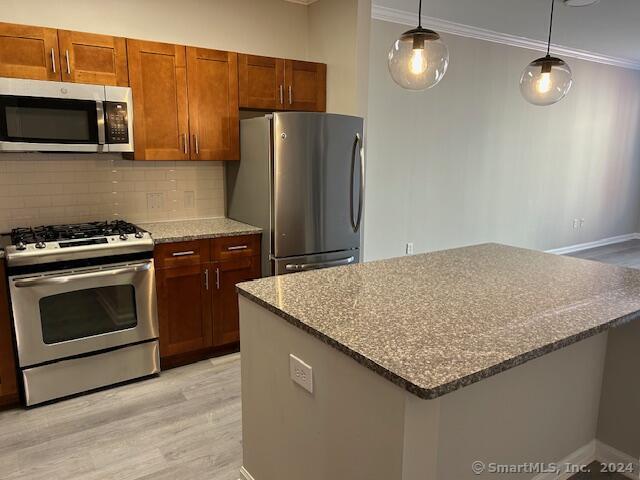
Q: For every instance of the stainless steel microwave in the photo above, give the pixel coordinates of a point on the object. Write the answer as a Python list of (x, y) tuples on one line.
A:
[(46, 116)]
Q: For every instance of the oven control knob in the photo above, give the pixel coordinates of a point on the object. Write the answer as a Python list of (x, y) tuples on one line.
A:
[(21, 246), (138, 234), (40, 244), (123, 236)]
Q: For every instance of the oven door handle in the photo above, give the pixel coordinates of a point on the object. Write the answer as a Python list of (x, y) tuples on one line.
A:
[(57, 280)]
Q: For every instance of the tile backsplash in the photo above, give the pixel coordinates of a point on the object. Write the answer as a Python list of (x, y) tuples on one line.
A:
[(40, 188)]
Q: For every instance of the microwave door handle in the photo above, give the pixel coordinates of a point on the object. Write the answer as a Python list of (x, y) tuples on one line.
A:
[(56, 280), (101, 122)]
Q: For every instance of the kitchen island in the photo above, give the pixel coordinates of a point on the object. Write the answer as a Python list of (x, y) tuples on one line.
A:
[(426, 366)]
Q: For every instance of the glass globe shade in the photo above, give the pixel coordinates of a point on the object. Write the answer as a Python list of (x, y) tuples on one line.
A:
[(418, 59), (546, 81)]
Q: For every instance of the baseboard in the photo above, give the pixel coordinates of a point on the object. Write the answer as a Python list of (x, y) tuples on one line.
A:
[(583, 456), (245, 475), (598, 243), (594, 450), (609, 455)]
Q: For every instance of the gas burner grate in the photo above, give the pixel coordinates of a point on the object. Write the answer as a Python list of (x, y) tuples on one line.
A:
[(52, 233)]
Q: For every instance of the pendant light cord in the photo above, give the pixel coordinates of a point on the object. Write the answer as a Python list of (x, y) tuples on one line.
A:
[(420, 14), (553, 3)]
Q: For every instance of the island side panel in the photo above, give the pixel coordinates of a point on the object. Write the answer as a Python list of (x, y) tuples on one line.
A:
[(619, 422), (542, 411), (350, 427)]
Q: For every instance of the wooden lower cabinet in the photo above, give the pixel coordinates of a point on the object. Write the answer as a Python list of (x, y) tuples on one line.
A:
[(226, 327), (197, 299), (184, 309), (8, 374)]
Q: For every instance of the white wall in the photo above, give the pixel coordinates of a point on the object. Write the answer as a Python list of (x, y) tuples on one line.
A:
[(339, 37), (470, 161)]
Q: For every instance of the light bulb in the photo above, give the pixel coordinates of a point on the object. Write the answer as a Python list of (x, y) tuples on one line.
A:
[(418, 64), (543, 84)]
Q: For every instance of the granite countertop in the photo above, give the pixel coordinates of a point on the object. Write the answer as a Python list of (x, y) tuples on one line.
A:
[(184, 230), (436, 322)]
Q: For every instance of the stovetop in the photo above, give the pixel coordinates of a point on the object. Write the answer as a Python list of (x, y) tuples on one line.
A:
[(57, 233), (64, 243)]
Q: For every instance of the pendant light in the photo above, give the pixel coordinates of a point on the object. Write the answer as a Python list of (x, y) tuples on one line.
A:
[(546, 80), (418, 59)]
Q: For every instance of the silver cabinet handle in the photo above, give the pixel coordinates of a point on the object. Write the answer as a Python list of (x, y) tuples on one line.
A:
[(355, 222), (53, 61), (281, 94), (184, 143), (68, 64), (290, 95), (218, 278), (206, 278), (298, 267), (56, 280), (238, 247), (183, 254), (195, 141)]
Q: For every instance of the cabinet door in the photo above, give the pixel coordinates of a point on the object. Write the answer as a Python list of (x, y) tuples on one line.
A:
[(306, 84), (29, 52), (226, 327), (158, 78), (261, 81), (184, 309), (92, 58), (213, 104), (8, 376)]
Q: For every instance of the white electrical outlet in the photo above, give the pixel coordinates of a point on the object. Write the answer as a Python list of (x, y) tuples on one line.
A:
[(576, 223), (301, 373), (409, 249), (581, 222), (155, 201)]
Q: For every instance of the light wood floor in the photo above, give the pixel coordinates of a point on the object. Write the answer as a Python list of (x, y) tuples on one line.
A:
[(184, 425), (625, 254)]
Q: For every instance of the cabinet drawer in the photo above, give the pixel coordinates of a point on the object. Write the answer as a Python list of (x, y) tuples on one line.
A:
[(178, 254), (226, 248)]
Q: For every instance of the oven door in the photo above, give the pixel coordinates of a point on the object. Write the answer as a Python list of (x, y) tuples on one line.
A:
[(51, 124), (67, 313)]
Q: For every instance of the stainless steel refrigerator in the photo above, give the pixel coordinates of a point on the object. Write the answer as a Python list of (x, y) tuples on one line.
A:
[(301, 179)]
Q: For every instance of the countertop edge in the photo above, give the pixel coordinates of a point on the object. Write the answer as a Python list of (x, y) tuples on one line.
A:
[(203, 236), (441, 390)]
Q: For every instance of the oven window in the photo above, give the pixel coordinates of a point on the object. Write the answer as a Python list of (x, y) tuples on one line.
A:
[(89, 312), (48, 120)]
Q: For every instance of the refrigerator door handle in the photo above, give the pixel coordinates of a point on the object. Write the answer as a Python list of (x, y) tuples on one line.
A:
[(299, 267), (355, 222)]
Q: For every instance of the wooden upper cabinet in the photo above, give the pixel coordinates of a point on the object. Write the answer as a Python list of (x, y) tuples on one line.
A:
[(306, 84), (213, 104), (261, 81), (92, 58), (276, 84), (158, 80), (29, 52)]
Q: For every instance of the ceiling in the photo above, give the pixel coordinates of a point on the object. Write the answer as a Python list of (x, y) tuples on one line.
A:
[(611, 27)]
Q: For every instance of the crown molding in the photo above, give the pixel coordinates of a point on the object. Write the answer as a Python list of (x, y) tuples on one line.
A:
[(407, 18)]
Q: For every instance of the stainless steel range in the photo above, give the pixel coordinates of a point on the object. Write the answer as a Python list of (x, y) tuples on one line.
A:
[(84, 307)]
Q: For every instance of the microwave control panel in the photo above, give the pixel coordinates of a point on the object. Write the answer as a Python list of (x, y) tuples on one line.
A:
[(117, 123)]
